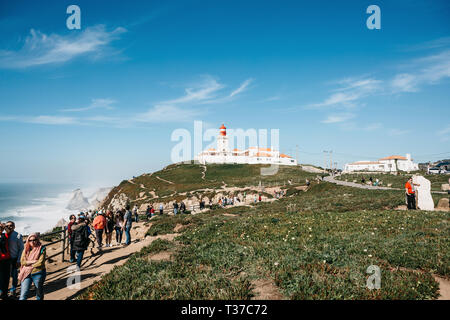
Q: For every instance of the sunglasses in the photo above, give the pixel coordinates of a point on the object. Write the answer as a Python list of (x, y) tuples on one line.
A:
[(32, 240), (9, 226)]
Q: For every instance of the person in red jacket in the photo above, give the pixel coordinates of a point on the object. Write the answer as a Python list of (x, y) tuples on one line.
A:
[(99, 225), (5, 264), (411, 194)]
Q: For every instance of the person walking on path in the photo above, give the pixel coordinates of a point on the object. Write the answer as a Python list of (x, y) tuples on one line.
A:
[(80, 238), (32, 268), (152, 211), (119, 227), (136, 213), (109, 228), (411, 194), (5, 264), (15, 245), (128, 221), (260, 198), (148, 213), (99, 225), (72, 221), (175, 208), (161, 209)]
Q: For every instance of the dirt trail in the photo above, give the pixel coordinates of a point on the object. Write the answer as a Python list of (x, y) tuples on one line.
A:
[(95, 264), (169, 182)]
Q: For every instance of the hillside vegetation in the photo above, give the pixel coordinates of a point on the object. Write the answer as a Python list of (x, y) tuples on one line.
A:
[(179, 181), (308, 245)]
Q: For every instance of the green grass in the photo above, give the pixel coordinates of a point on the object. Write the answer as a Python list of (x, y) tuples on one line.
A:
[(321, 251), (187, 178)]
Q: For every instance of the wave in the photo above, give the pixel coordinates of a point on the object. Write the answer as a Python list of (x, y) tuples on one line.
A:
[(42, 214)]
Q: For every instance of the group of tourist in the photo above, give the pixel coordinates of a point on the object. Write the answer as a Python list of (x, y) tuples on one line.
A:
[(103, 222), (371, 182), (20, 263)]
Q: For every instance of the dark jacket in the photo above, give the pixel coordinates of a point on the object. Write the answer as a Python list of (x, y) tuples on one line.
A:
[(80, 236)]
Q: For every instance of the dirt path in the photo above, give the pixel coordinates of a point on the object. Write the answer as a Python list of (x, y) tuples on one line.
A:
[(204, 172), (170, 182), (95, 264)]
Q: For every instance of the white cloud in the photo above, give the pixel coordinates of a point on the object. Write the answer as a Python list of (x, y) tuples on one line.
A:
[(349, 93), (398, 132), (42, 49), (336, 118), (404, 82), (167, 113), (95, 104), (51, 120), (202, 91), (242, 88)]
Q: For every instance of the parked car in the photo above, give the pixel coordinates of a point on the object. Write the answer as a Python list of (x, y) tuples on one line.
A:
[(437, 170)]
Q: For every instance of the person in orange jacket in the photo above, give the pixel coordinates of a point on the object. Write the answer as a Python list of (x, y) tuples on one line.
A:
[(99, 225)]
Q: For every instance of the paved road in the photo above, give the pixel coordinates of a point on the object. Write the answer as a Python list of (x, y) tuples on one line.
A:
[(362, 186), (355, 185)]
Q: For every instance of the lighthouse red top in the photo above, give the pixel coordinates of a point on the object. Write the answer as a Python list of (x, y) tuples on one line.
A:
[(223, 130)]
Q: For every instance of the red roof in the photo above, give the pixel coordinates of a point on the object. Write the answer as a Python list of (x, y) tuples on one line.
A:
[(394, 158)]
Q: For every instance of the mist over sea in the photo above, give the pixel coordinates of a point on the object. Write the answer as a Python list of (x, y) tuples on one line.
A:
[(36, 207)]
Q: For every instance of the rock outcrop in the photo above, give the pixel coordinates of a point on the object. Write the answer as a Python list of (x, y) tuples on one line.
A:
[(78, 201)]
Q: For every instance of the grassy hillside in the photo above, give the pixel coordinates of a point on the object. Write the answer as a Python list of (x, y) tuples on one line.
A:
[(321, 249), (187, 178)]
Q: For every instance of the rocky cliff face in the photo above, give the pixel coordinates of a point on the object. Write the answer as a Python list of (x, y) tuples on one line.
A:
[(78, 201)]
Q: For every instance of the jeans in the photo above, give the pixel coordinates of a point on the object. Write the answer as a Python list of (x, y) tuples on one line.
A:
[(136, 216), (38, 280), (72, 252), (99, 235), (14, 274), (175, 211), (127, 234), (161, 211), (80, 254), (119, 233)]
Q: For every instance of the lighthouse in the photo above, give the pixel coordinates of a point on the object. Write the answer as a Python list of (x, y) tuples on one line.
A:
[(222, 140)]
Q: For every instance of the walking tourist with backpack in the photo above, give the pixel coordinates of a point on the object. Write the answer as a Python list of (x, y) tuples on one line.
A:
[(32, 267), (161, 209), (80, 238)]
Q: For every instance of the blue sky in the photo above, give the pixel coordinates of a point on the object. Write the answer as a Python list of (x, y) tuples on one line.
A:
[(99, 105)]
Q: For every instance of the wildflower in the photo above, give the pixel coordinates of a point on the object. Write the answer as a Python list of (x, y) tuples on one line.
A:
[(365, 250), (276, 263), (370, 256), (293, 238)]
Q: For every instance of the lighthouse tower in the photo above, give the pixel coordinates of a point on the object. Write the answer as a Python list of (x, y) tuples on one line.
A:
[(222, 141)]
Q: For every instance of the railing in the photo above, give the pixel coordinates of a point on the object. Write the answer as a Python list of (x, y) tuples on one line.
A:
[(63, 238)]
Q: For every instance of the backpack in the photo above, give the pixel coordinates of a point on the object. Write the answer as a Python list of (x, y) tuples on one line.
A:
[(81, 238)]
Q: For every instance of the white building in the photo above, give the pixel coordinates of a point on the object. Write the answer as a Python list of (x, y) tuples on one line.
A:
[(387, 164), (252, 155)]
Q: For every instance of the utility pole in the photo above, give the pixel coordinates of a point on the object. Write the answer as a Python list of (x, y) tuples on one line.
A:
[(296, 155), (331, 161), (325, 160)]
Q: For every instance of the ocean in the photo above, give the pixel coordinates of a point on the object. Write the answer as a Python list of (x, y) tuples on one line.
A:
[(35, 207)]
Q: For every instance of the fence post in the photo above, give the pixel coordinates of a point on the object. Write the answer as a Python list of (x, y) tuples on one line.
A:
[(63, 243)]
